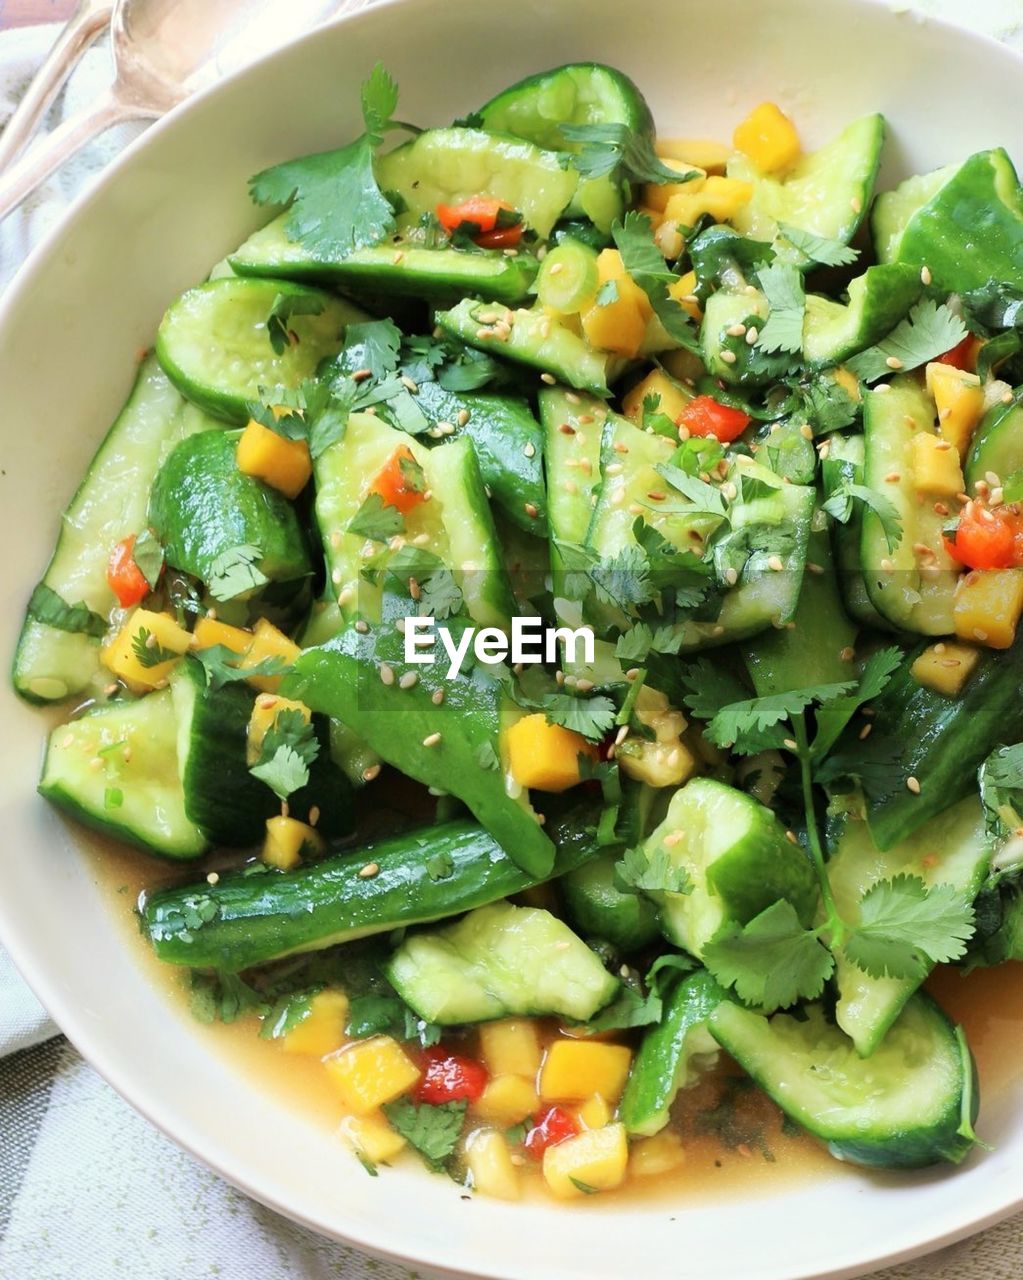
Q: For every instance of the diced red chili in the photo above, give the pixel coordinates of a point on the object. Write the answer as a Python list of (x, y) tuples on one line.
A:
[(125, 579), (553, 1125), (449, 1077), (705, 416)]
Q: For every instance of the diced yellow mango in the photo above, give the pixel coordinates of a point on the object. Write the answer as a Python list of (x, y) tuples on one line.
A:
[(945, 667), (507, 1100), (848, 381), (673, 397), (265, 710), (285, 839), (935, 464), (285, 465), (209, 632), (268, 642), (655, 196), (592, 1161), (511, 1047), (595, 1112), (545, 756), (959, 400), (701, 153), (574, 1070), (322, 1030), (769, 138), (489, 1162), (619, 326), (719, 198), (370, 1072), (683, 293), (660, 1154), (153, 632), (371, 1137), (987, 606)]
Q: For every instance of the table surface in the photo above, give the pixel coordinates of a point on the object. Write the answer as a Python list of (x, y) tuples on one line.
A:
[(19, 13)]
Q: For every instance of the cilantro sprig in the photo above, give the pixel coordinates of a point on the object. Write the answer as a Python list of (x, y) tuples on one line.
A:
[(613, 147), (433, 1131), (288, 749), (929, 330)]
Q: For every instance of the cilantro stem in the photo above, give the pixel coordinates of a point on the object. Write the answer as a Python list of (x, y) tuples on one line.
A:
[(834, 924)]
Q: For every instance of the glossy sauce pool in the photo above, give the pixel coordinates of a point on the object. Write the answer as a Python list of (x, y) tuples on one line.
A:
[(734, 1137)]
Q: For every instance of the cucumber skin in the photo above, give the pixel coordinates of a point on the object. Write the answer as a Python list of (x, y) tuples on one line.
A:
[(655, 1080), (201, 505), (264, 916), (598, 909), (943, 741), (998, 440)]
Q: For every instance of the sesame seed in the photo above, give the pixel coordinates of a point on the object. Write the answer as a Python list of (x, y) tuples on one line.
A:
[(729, 357), (414, 589), (151, 640), (791, 837), (791, 744), (398, 257), (925, 276), (887, 565), (67, 740), (556, 268), (806, 431), (866, 731), (884, 387), (530, 510), (570, 486), (656, 496), (567, 429), (893, 362), (847, 654), (776, 563), (431, 740), (752, 334), (369, 870), (360, 375), (408, 680), (913, 785), (621, 735), (314, 815), (111, 689), (620, 447), (336, 577), (386, 674), (463, 417), (736, 330), (584, 685), (212, 878), (635, 509), (573, 398), (549, 378), (530, 450), (437, 697), (731, 576), (483, 334), (421, 540), (856, 204), (370, 772), (585, 419), (672, 838), (1006, 397), (632, 673), (979, 634), (96, 762), (811, 567), (266, 701), (362, 627), (992, 479), (729, 491), (892, 477)]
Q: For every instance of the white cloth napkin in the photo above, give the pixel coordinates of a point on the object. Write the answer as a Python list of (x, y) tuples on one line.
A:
[(90, 1189)]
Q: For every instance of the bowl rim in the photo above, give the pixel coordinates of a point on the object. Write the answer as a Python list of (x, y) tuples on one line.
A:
[(116, 1070)]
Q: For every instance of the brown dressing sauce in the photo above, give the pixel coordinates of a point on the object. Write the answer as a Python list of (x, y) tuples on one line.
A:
[(735, 1139)]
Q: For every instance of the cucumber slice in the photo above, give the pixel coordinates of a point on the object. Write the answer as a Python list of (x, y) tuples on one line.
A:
[(828, 192), (568, 277), (51, 665), (222, 797), (951, 849), (997, 445), (534, 340), (941, 741), (447, 166), (967, 231), (599, 909), (457, 528), (537, 108), (262, 917), (202, 506), (787, 452), (134, 794), (878, 300), (738, 859), (400, 268), (909, 598), (844, 466), (440, 742), (911, 1104), (572, 457), (728, 355), (213, 343), (497, 961), (665, 1061)]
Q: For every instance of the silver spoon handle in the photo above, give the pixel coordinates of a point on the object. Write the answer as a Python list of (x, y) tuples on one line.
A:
[(87, 22), (43, 160)]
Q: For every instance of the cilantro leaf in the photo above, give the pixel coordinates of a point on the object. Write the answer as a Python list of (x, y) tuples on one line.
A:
[(641, 640), (820, 249), (148, 652), (833, 717), (372, 345), (284, 306), (235, 573), (640, 870), (771, 962), (607, 293), (734, 723), (645, 263), (783, 287), (613, 147), (222, 666), (487, 757), (372, 1014), (288, 749), (336, 205), (705, 499), (840, 506), (47, 607), (1001, 789), (440, 595), (710, 688), (377, 520), (433, 1131), (147, 553), (824, 404), (928, 331), (592, 717), (441, 866), (905, 927)]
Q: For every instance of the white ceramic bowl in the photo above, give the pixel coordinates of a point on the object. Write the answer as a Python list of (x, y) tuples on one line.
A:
[(69, 330)]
